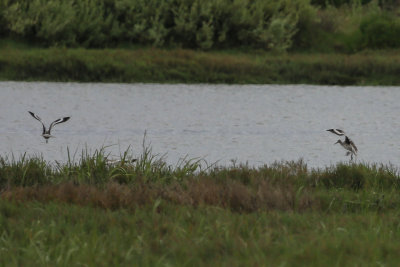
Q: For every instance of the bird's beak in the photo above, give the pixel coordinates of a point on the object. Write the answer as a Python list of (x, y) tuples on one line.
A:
[(336, 142)]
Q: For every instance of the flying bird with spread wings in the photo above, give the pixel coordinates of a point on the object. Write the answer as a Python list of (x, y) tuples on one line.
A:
[(347, 144), (46, 133)]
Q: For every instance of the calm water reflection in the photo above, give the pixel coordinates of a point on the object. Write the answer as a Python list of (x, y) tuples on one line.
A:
[(247, 123)]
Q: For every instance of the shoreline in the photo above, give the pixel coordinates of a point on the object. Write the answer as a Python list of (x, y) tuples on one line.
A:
[(153, 65)]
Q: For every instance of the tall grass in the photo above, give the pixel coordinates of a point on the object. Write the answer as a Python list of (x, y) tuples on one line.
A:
[(89, 211), (129, 184), (50, 234)]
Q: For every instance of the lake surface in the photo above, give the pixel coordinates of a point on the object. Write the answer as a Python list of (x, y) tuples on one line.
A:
[(257, 124)]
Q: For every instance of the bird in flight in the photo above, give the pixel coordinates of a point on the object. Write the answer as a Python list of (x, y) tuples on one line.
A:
[(349, 145), (46, 133)]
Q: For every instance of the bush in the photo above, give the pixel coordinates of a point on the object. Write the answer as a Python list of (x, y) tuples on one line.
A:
[(379, 31), (58, 22), (200, 24)]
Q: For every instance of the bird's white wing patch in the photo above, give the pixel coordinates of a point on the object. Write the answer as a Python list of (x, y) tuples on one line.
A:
[(60, 120)]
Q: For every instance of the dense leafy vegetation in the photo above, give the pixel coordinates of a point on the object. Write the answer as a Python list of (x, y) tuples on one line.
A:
[(195, 23), (203, 24)]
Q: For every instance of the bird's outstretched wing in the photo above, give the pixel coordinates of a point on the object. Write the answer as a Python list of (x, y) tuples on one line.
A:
[(39, 119), (60, 120), (351, 143), (336, 131), (354, 146)]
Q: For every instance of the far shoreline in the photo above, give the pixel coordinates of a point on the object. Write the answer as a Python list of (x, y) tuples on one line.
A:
[(154, 65)]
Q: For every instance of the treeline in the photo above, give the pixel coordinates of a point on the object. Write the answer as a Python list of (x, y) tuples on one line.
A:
[(202, 24)]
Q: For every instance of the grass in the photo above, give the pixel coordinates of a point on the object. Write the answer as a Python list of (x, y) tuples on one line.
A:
[(190, 66), (144, 213), (166, 234), (282, 186)]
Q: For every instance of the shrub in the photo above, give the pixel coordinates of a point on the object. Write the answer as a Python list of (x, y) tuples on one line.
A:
[(59, 22), (380, 31), (200, 24)]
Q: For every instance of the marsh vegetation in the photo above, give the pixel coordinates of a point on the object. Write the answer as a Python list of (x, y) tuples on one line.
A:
[(86, 211), (128, 184), (147, 212), (188, 66)]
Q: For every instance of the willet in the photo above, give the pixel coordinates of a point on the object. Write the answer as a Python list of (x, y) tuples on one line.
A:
[(349, 145), (46, 133)]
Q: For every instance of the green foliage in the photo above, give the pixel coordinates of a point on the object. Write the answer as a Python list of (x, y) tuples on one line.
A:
[(59, 22), (94, 169), (130, 182), (325, 26), (198, 217), (351, 28), (380, 31), (163, 234), (141, 21), (25, 172), (201, 24), (338, 3)]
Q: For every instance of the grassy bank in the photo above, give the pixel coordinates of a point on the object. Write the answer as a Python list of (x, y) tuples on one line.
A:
[(189, 66), (148, 213)]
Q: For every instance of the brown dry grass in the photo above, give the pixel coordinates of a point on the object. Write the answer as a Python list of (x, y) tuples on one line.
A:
[(232, 194)]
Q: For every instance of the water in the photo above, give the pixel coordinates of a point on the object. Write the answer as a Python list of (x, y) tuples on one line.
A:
[(256, 124)]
